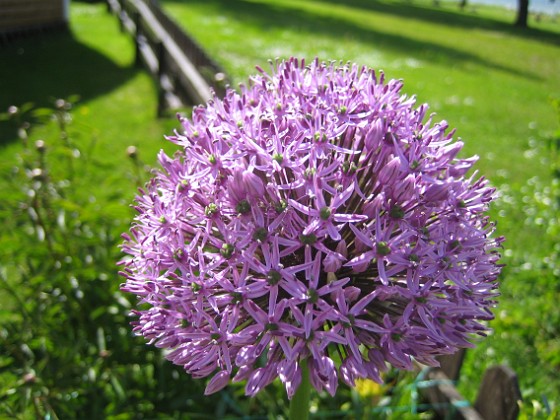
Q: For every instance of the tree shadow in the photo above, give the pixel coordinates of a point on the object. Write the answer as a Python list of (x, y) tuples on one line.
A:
[(43, 67), (269, 15), (465, 20)]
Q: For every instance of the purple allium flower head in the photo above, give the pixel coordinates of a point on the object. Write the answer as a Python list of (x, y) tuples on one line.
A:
[(318, 214)]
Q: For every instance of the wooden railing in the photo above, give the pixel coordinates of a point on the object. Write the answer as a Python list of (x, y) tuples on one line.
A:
[(20, 17), (498, 396), (186, 75), (198, 56), (22, 14)]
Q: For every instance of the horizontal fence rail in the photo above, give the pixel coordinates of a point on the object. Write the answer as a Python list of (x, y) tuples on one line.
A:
[(186, 75), (22, 17), (498, 396), (210, 70), (18, 14)]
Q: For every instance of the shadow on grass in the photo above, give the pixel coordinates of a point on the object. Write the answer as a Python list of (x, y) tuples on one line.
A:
[(45, 67), (466, 20), (272, 15)]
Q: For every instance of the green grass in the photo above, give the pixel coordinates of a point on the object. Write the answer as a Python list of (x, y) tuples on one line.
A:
[(479, 73), (59, 299), (490, 80), (116, 109), (117, 101)]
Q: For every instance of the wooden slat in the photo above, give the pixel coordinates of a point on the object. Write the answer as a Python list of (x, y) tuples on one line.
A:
[(172, 58), (25, 14), (148, 55), (198, 89), (499, 395), (206, 66), (448, 403), (451, 364)]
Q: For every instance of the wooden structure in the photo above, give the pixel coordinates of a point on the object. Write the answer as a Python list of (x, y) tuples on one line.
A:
[(185, 74), (24, 16), (498, 396)]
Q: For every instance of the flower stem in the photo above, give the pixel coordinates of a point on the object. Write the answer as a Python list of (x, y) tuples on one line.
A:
[(299, 405)]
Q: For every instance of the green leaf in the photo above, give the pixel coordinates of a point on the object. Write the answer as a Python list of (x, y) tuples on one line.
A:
[(118, 388)]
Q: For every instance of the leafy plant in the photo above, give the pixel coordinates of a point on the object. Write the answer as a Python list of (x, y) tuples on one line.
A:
[(66, 351)]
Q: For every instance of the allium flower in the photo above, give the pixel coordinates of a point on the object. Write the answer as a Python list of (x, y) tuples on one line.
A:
[(317, 215)]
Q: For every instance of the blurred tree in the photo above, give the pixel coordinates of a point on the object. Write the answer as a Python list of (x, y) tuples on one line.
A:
[(522, 13)]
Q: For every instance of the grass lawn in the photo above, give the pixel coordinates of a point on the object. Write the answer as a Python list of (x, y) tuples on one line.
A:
[(73, 375), (115, 106), (117, 101), (479, 73), (492, 81)]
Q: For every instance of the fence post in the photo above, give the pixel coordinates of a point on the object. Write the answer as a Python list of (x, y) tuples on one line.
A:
[(499, 394), (138, 33), (447, 402), (121, 13), (160, 54), (174, 61)]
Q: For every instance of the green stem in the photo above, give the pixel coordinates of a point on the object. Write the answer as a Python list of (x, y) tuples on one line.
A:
[(299, 405)]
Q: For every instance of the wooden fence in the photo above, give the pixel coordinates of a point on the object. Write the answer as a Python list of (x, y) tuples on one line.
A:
[(498, 396), (186, 75), (19, 17)]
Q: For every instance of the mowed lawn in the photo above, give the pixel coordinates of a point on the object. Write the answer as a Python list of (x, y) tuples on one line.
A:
[(115, 101), (490, 80)]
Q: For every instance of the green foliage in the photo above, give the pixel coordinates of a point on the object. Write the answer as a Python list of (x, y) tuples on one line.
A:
[(66, 345), (527, 328), (67, 348)]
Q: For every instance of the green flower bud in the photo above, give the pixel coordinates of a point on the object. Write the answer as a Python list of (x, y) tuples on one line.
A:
[(325, 213), (260, 234), (308, 239), (243, 207), (211, 209), (273, 277), (227, 250), (280, 206), (396, 212), (383, 248)]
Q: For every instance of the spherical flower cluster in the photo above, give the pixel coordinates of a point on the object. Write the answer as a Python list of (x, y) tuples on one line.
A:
[(317, 215)]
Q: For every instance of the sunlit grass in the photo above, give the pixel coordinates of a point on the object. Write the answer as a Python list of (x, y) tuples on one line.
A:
[(116, 105), (116, 108), (492, 81), (475, 71)]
